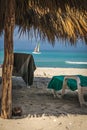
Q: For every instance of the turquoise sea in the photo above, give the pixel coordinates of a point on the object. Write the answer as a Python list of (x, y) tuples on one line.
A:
[(60, 59)]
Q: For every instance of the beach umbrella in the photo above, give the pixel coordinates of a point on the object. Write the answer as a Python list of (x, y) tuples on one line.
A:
[(51, 19)]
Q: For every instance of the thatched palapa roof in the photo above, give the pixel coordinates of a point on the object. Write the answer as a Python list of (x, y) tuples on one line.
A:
[(66, 19)]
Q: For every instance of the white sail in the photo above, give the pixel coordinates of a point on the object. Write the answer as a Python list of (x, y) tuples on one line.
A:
[(37, 49)]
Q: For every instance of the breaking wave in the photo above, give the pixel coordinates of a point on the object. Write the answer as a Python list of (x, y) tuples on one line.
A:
[(72, 62)]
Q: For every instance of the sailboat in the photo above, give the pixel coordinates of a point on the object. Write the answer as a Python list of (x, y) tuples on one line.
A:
[(37, 49)]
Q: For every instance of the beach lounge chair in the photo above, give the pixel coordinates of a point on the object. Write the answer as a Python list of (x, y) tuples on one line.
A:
[(73, 82)]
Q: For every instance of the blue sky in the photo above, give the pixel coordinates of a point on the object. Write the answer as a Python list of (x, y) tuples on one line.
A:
[(23, 43)]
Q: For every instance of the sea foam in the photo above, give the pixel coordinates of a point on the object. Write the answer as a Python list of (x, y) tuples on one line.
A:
[(72, 62)]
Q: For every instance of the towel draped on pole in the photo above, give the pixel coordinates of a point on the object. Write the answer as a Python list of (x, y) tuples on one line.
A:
[(24, 66)]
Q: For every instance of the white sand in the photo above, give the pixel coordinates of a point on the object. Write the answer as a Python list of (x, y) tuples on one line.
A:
[(40, 110), (49, 72)]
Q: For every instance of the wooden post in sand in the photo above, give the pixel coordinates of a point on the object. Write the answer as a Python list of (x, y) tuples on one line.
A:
[(6, 104)]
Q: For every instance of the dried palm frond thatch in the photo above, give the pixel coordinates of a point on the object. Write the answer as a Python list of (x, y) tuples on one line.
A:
[(66, 19)]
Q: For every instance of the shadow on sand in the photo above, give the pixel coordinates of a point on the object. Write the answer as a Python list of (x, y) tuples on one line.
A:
[(37, 100)]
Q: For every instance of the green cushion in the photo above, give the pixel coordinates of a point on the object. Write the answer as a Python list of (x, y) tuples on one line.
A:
[(56, 82)]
